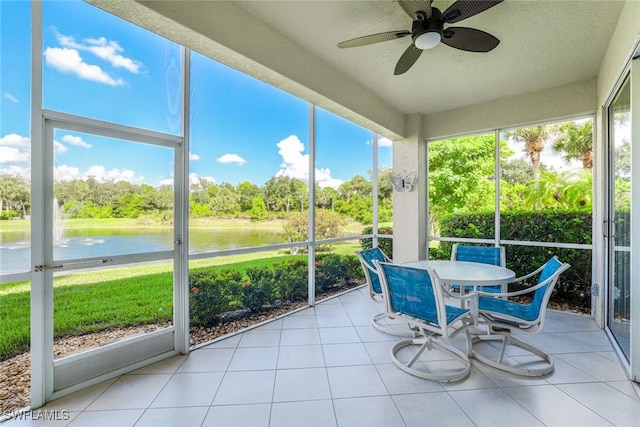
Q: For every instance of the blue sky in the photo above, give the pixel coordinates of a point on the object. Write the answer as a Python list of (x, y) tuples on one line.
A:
[(102, 67)]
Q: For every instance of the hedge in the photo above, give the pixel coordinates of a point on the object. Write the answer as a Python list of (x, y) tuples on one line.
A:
[(574, 286), (218, 291)]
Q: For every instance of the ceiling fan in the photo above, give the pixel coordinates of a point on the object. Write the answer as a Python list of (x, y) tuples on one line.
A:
[(428, 30)]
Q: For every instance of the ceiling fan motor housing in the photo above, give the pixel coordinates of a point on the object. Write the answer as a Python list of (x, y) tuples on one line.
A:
[(427, 33)]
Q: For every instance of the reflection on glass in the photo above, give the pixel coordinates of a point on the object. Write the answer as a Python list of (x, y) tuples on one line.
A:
[(109, 70), (106, 200), (619, 316)]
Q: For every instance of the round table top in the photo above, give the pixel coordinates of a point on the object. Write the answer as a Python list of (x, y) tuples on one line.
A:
[(466, 273)]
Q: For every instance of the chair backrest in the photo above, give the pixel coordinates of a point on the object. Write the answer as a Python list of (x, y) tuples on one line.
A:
[(494, 255), (414, 292), (366, 258), (551, 271)]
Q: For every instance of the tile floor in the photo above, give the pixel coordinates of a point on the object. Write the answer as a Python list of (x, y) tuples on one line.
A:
[(327, 366)]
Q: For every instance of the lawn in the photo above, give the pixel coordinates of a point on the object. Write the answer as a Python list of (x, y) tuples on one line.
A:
[(92, 301)]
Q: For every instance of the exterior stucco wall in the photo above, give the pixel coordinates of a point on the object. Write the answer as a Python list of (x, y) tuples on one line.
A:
[(577, 99), (621, 48)]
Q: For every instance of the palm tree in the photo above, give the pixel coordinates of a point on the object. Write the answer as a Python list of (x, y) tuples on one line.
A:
[(576, 141), (534, 139)]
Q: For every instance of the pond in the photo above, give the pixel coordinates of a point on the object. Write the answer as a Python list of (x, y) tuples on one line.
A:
[(97, 242)]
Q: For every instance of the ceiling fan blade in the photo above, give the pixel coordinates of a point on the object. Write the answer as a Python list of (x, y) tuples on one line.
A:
[(469, 39), (463, 9), (408, 58), (374, 38), (412, 7)]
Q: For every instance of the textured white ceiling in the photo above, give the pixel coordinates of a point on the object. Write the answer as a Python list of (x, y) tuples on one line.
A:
[(543, 44)]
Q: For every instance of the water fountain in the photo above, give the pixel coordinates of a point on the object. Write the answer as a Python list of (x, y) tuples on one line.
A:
[(60, 219)]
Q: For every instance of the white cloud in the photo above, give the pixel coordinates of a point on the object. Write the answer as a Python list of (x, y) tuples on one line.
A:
[(24, 172), (195, 179), (100, 173), (15, 140), (15, 148), (296, 165), (107, 50), (69, 61), (323, 178), (384, 142), (13, 155), (10, 97), (333, 183), (65, 173), (58, 147), (194, 156), (75, 140), (231, 158)]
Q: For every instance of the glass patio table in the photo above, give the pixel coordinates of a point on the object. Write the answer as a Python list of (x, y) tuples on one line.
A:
[(466, 273)]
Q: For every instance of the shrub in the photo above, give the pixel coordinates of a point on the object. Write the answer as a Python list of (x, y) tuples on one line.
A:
[(213, 293), (258, 291), (574, 286), (385, 244), (333, 269), (216, 292), (290, 280)]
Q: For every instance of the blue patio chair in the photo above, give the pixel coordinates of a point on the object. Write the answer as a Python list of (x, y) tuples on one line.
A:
[(417, 296), (504, 316), (367, 258), (494, 255)]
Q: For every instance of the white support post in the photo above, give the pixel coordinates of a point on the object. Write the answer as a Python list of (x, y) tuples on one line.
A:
[(311, 291), (374, 194), (410, 222), (41, 234), (634, 333), (181, 221)]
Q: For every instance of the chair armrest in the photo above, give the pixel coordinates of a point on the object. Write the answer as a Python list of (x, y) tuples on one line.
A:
[(516, 293), (533, 273), (472, 297), (372, 269)]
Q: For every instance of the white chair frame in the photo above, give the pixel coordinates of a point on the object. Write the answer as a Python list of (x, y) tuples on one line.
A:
[(379, 319), (432, 335), (501, 326)]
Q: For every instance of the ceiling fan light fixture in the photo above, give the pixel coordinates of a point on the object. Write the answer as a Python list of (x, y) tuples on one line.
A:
[(427, 40)]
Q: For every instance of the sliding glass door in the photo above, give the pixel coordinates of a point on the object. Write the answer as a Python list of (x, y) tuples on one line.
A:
[(619, 224), (623, 276)]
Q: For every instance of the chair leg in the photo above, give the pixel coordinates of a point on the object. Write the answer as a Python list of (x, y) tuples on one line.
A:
[(507, 339), (427, 344), (410, 332)]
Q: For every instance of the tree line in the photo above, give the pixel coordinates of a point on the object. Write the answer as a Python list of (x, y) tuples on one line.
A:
[(280, 195), (461, 179)]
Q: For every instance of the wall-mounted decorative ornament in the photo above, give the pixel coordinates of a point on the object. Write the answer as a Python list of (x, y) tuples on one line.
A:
[(403, 184)]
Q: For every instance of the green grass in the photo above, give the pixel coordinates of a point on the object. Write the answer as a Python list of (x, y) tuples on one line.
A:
[(93, 301)]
